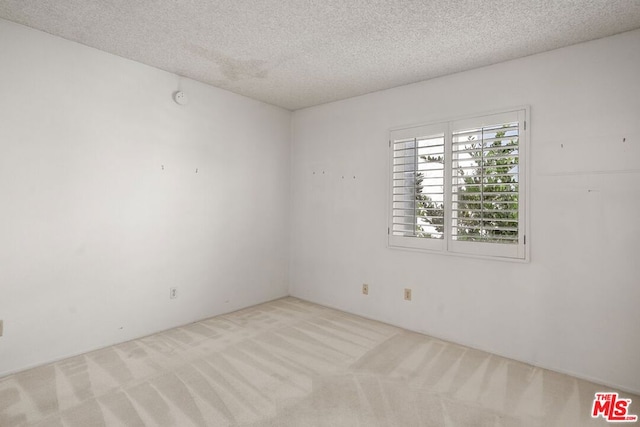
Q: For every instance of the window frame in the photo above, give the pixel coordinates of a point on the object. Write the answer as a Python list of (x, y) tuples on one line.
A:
[(518, 252)]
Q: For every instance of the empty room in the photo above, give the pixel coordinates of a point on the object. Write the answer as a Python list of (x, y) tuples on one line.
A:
[(319, 213)]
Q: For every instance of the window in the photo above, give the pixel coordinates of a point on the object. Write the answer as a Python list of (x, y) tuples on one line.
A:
[(459, 186)]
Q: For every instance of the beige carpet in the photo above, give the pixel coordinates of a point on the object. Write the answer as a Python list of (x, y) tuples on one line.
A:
[(293, 363)]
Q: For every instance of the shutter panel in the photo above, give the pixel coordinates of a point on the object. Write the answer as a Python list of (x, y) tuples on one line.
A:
[(417, 214), (486, 188)]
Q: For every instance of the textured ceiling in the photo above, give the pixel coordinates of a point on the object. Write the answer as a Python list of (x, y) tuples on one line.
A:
[(299, 53)]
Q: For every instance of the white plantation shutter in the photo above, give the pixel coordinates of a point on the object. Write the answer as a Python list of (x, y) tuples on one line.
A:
[(417, 217), (487, 195), (459, 186)]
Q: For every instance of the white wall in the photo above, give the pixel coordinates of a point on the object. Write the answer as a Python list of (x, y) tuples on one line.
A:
[(575, 307), (93, 232)]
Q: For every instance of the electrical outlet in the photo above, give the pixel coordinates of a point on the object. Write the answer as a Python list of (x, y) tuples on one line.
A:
[(365, 289), (1, 327), (407, 294), (173, 293)]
